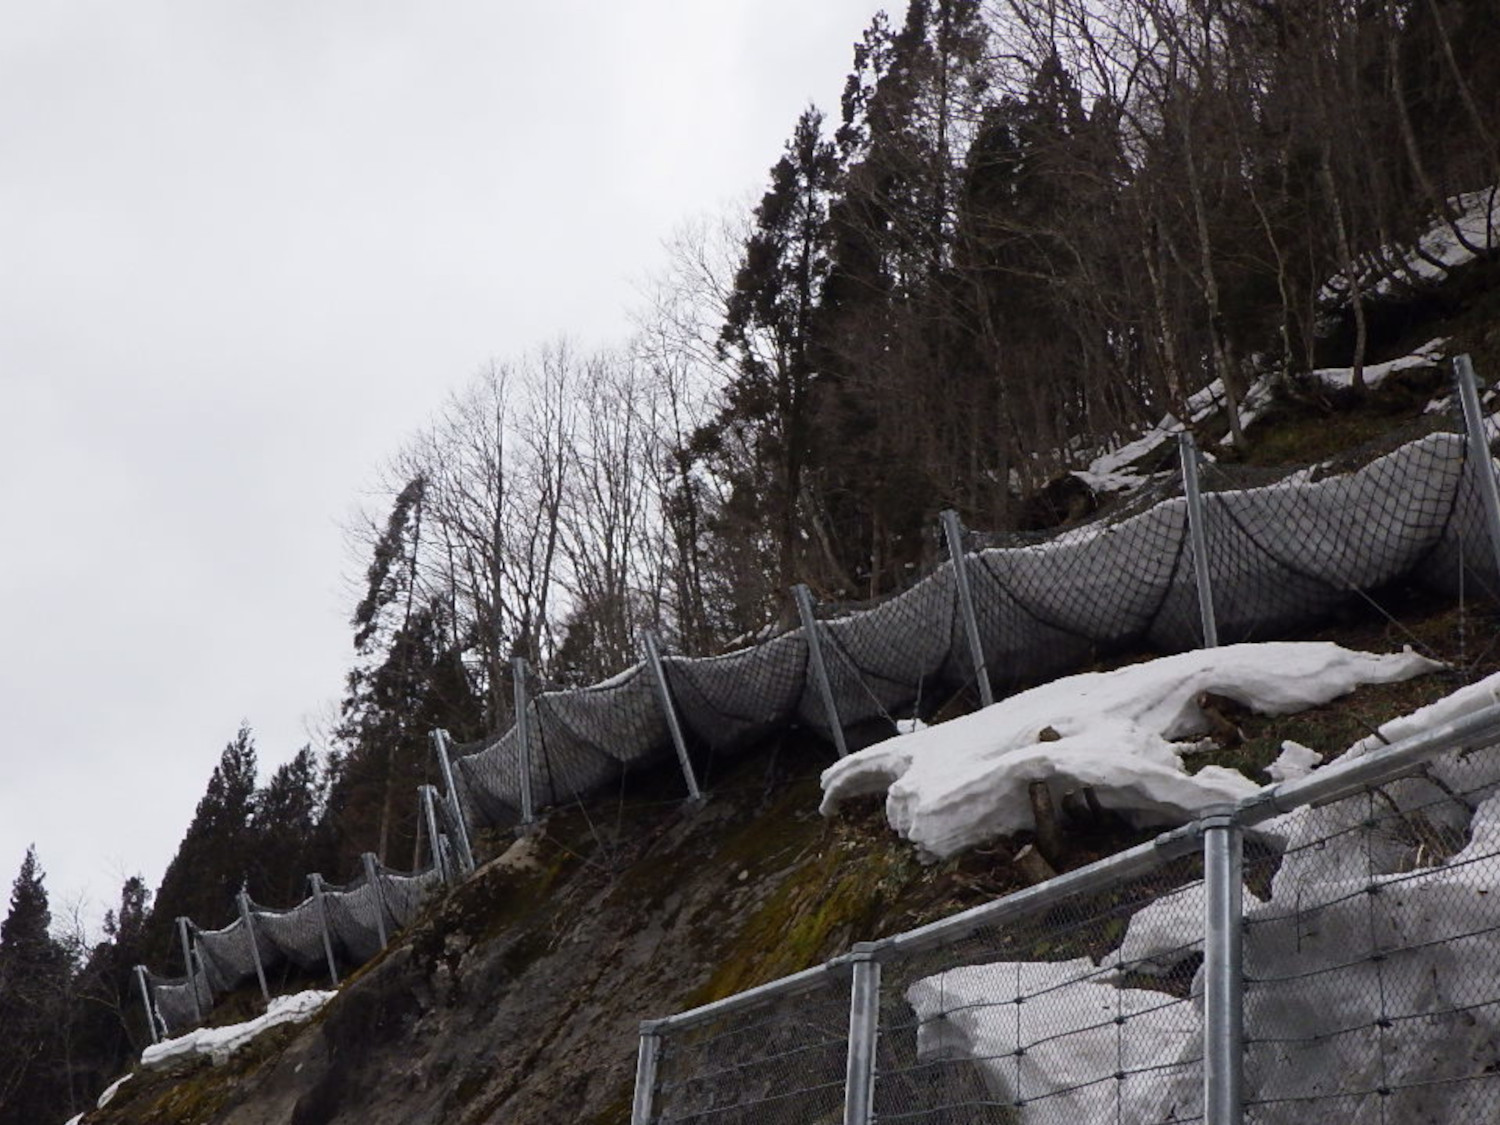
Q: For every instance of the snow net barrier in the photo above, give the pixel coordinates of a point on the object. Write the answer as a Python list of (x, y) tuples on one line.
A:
[(350, 922), (1329, 948), (1278, 556)]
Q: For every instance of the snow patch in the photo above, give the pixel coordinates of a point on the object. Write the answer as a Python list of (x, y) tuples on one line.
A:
[(218, 1043), (1294, 761), (1120, 733)]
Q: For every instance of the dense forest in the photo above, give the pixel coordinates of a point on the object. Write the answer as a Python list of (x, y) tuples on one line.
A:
[(1029, 228)]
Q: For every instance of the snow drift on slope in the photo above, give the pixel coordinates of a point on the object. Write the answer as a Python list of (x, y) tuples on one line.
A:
[(218, 1043), (955, 785)]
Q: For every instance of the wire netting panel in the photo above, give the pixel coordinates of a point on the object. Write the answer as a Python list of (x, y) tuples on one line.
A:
[(355, 914), (404, 894), (295, 933), (227, 955), (730, 702), (1084, 1010), (884, 660), (1372, 968), (782, 1063), (175, 1002)]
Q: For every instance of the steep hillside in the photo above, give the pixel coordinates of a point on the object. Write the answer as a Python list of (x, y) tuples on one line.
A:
[(517, 996)]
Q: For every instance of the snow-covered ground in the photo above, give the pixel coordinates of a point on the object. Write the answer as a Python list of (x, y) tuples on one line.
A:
[(1370, 966), (1122, 733), (218, 1043)]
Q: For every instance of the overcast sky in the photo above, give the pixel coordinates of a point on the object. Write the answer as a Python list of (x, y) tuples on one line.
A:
[(245, 248)]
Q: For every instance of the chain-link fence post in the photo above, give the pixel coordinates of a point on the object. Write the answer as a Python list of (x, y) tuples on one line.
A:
[(669, 711), (1223, 969), (429, 815), (1189, 451), (260, 969), (187, 960), (317, 889), (960, 559), (454, 805), (804, 600), (864, 1030), (1479, 448), (523, 742), (140, 980), (645, 1074), (372, 876)]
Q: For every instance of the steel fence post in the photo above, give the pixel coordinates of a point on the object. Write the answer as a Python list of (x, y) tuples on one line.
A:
[(140, 980), (454, 805), (428, 795), (1223, 968), (260, 969), (523, 741), (1478, 445), (317, 889), (1195, 513), (864, 1031), (642, 1105), (187, 960), (820, 670), (664, 694), (372, 876), (953, 530)]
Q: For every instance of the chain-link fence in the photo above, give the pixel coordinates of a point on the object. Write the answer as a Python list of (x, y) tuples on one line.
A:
[(1329, 946)]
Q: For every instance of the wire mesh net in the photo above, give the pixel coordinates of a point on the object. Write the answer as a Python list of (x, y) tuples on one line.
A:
[(227, 955), (1082, 1010), (1283, 550), (180, 1002), (1372, 992), (781, 1063), (295, 934)]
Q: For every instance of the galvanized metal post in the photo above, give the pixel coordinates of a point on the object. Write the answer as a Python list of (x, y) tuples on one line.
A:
[(664, 693), (140, 980), (1479, 446), (1223, 969), (523, 740), (372, 876), (645, 1074), (864, 1030), (1198, 538), (455, 806), (187, 960), (317, 889), (819, 669), (953, 530), (429, 814), (249, 923)]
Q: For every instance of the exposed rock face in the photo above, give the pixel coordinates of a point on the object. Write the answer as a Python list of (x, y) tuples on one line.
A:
[(518, 999)]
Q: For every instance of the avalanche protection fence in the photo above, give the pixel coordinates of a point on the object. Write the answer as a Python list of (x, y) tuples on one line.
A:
[(337, 924), (1198, 556), (1195, 558), (1327, 949)]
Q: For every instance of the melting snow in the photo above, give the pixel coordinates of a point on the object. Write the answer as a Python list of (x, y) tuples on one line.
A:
[(966, 781), (218, 1043)]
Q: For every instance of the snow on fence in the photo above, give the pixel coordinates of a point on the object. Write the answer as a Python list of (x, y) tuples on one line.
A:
[(1327, 947)]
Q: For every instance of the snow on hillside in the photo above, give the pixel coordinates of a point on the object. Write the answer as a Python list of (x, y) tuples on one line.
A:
[(1471, 228), (218, 1043), (1122, 733)]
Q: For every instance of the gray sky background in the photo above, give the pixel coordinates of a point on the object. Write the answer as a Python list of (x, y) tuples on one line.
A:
[(245, 249)]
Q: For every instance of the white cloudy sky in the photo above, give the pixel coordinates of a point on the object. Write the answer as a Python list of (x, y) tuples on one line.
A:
[(245, 247)]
